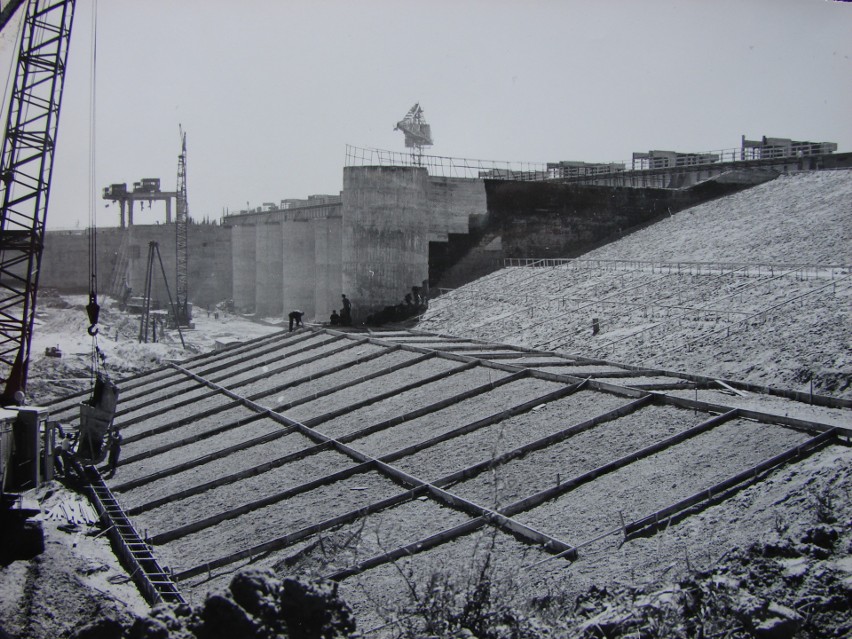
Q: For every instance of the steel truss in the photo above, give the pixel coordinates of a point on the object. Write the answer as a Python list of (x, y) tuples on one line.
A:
[(25, 173)]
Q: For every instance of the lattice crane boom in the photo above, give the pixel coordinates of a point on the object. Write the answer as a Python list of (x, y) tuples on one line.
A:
[(184, 315), (26, 167)]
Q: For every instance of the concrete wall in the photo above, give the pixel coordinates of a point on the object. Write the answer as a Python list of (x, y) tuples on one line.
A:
[(270, 255), (66, 258), (328, 246), (535, 219), (454, 203), (244, 260), (385, 235), (299, 267)]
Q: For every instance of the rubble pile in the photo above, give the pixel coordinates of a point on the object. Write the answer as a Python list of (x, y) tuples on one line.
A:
[(257, 605)]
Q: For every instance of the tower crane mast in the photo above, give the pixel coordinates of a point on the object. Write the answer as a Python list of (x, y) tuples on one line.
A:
[(184, 314)]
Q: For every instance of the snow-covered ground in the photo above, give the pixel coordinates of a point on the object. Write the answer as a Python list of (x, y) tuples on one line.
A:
[(753, 287), (61, 321)]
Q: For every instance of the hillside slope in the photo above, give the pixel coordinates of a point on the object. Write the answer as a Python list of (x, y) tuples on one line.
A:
[(753, 287)]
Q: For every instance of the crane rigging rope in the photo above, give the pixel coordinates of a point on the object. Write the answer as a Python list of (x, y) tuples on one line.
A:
[(93, 308)]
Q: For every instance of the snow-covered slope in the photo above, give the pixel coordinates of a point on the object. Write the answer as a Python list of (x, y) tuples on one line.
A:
[(714, 290)]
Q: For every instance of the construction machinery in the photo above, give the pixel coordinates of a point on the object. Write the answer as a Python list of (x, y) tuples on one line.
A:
[(149, 189), (418, 133), (183, 310), (26, 168)]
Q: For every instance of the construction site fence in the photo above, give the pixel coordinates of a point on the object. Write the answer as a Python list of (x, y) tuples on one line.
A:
[(745, 269)]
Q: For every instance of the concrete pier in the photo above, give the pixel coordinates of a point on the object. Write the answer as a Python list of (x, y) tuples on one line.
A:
[(385, 235)]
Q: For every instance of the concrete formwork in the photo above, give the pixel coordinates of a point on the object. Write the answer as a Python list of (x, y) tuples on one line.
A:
[(298, 270), (385, 235), (244, 245)]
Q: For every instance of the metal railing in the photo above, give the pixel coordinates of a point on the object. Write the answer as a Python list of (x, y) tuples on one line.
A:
[(746, 269), (445, 166), (448, 166)]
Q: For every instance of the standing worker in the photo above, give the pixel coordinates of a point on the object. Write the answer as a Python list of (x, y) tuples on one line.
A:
[(346, 312), (114, 451), (295, 317)]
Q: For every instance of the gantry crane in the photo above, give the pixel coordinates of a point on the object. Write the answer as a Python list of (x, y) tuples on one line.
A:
[(26, 167)]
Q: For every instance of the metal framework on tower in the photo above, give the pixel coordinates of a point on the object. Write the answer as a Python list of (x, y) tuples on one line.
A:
[(418, 134), (25, 172), (184, 313)]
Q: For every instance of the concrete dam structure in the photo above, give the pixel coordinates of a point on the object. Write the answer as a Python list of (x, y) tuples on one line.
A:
[(393, 228)]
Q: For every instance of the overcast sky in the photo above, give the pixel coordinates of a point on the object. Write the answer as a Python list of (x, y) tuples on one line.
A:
[(271, 91)]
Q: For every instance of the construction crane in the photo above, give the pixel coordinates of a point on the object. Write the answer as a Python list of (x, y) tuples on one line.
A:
[(26, 168), (183, 313), (418, 133)]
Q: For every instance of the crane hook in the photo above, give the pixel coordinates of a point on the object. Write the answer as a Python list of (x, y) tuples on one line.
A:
[(93, 310)]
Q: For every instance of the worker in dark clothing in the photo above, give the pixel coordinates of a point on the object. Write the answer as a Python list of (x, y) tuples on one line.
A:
[(346, 312), (295, 318), (334, 319), (114, 451)]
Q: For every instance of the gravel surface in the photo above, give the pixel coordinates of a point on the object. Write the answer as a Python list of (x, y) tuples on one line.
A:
[(787, 497), (489, 442), (672, 474), (180, 392), (222, 498), (253, 354), (408, 401), (797, 336), (233, 463), (190, 429), (192, 450), (279, 519), (348, 374), (175, 381), (304, 370), (371, 388), (586, 451), (167, 416), (347, 545), (455, 416)]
